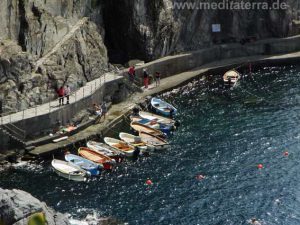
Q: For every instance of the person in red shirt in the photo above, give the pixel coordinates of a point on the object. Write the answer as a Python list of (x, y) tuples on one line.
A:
[(61, 94), (131, 73)]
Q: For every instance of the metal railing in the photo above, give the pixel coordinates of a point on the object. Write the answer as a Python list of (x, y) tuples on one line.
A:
[(89, 89)]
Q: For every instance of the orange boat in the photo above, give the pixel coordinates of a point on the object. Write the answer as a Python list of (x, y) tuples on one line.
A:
[(96, 157)]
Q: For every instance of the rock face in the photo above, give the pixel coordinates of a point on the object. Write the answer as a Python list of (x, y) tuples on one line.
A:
[(17, 206), (47, 43), (160, 27)]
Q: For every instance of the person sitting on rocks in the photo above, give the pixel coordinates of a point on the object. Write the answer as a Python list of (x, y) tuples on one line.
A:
[(97, 109)]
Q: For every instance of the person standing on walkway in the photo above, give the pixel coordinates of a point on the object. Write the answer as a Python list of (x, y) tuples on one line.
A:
[(61, 95), (104, 109), (131, 73), (67, 93), (157, 79), (146, 78)]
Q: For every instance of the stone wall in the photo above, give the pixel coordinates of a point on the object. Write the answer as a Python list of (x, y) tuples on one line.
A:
[(171, 65)]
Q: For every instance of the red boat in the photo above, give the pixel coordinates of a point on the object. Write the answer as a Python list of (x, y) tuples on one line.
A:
[(97, 157)]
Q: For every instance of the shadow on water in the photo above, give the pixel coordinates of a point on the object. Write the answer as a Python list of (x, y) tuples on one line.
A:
[(223, 137)]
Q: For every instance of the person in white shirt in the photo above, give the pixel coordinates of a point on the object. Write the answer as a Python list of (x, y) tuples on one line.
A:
[(67, 93)]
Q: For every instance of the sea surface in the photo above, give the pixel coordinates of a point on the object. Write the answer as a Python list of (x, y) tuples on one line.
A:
[(223, 136)]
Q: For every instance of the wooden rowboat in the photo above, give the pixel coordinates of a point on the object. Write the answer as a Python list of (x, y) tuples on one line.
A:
[(153, 140), (143, 128), (121, 146), (162, 107), (69, 170), (106, 150), (157, 118), (135, 141), (96, 157), (231, 78), (166, 129)]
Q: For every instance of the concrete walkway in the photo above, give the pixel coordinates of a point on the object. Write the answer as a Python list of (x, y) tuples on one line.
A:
[(46, 108), (117, 112)]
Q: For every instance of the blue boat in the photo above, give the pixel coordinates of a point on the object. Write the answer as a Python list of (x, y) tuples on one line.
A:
[(93, 168), (163, 108), (154, 124)]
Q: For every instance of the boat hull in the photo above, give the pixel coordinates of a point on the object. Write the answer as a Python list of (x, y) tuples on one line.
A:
[(101, 148), (96, 157), (68, 170), (89, 166), (111, 142), (163, 108)]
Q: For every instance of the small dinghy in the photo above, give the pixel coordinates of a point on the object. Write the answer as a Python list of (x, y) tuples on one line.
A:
[(157, 118), (141, 127), (153, 140), (163, 108), (106, 150), (69, 170), (91, 167), (231, 78), (96, 157), (135, 141), (121, 146), (166, 129)]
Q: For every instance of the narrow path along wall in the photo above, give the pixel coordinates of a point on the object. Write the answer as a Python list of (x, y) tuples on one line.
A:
[(169, 66)]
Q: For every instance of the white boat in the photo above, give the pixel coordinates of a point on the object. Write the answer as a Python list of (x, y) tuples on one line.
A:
[(157, 118), (153, 140), (121, 146), (138, 127), (106, 150), (231, 78), (135, 141), (69, 170), (163, 107)]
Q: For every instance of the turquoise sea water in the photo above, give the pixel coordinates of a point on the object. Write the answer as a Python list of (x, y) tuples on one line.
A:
[(223, 137)]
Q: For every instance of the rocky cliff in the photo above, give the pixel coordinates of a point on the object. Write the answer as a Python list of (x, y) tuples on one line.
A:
[(17, 207), (46, 43)]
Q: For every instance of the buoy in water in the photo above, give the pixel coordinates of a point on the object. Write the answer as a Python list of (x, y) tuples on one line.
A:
[(200, 177), (149, 182), (260, 166), (286, 153)]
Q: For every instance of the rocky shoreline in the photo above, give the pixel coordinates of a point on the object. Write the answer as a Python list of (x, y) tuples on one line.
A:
[(16, 207)]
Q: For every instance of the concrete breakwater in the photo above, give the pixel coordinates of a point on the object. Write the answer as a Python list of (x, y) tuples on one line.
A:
[(197, 63)]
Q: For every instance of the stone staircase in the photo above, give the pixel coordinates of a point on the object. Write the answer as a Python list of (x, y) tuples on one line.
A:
[(14, 133), (59, 44)]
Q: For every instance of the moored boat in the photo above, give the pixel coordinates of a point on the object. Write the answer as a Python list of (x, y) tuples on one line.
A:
[(69, 170), (166, 129), (91, 167), (231, 78), (153, 140), (163, 108), (141, 127), (106, 150), (121, 146), (157, 118), (135, 141), (96, 157)]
